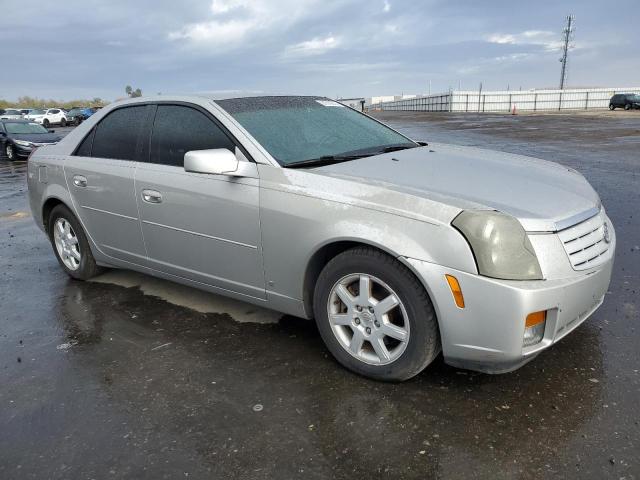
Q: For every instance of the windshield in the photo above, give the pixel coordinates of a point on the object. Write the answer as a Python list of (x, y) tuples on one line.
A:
[(21, 128), (37, 112), (295, 129), (75, 111), (634, 98), (13, 112)]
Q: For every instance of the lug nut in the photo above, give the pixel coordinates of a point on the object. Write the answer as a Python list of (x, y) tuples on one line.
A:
[(377, 324), (357, 320), (359, 308), (368, 330), (370, 309)]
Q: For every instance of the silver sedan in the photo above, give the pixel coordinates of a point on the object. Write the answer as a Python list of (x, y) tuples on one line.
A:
[(399, 250)]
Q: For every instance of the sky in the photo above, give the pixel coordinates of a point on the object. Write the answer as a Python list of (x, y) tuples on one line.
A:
[(74, 49)]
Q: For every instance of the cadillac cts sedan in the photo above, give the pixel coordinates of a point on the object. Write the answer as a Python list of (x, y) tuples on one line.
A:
[(399, 250)]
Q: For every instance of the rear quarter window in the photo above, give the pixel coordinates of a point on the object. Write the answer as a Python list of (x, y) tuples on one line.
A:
[(84, 149)]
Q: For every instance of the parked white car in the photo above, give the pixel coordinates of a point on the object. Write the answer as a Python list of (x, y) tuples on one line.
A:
[(11, 114), (48, 117)]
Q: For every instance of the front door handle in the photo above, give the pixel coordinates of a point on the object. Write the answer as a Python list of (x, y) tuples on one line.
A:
[(79, 181), (151, 196)]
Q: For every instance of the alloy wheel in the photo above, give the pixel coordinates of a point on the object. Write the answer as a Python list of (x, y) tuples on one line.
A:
[(9, 152), (67, 244), (368, 319)]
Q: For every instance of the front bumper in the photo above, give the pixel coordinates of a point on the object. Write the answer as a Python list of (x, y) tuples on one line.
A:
[(487, 334), (22, 150)]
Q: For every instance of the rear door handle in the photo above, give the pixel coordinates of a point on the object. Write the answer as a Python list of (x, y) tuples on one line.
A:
[(151, 196), (79, 181)]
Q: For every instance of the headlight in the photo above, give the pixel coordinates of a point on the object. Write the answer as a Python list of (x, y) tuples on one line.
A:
[(22, 143), (500, 245)]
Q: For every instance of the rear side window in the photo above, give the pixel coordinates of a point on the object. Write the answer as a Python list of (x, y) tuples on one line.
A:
[(116, 136), (178, 129)]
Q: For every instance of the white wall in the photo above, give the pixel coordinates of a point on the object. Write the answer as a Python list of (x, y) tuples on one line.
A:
[(505, 101)]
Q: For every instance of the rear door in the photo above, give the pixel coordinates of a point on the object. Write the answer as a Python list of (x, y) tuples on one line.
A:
[(205, 228), (100, 177)]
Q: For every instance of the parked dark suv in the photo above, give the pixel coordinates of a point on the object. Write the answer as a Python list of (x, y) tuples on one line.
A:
[(624, 100)]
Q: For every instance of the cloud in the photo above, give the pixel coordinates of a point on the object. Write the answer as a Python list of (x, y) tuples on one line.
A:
[(215, 32), (387, 6), (548, 40), (315, 46), (236, 21)]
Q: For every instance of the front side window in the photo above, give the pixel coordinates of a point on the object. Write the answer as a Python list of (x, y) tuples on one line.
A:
[(116, 136), (54, 111), (178, 129), (38, 112), (298, 129)]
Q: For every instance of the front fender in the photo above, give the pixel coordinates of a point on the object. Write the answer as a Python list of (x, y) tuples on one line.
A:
[(295, 225)]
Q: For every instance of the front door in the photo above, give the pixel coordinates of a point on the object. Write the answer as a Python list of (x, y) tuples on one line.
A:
[(205, 228), (100, 177)]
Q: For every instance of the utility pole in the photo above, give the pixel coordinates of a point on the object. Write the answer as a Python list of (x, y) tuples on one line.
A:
[(568, 30)]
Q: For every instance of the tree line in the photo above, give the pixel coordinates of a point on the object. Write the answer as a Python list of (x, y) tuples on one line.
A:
[(35, 102)]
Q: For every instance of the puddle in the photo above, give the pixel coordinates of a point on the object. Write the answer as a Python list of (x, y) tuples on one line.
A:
[(14, 215), (181, 295)]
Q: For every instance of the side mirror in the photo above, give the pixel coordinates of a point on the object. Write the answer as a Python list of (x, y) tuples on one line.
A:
[(52, 131), (217, 161), (422, 144)]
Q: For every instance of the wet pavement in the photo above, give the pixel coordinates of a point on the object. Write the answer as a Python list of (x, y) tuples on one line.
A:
[(132, 377)]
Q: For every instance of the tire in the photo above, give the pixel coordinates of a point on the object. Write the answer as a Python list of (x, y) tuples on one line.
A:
[(612, 107), (414, 310), (45, 123), (86, 267), (627, 106), (78, 121), (63, 122), (10, 152)]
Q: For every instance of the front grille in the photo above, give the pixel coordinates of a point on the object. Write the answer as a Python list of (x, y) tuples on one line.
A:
[(585, 242)]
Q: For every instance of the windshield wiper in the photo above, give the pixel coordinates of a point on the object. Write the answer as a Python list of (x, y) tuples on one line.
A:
[(395, 148), (326, 160)]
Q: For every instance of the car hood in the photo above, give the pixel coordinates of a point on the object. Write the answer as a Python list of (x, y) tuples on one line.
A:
[(543, 196), (37, 137)]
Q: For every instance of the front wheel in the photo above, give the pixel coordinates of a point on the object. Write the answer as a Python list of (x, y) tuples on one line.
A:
[(10, 152), (612, 107), (45, 123), (63, 122), (70, 244), (374, 315)]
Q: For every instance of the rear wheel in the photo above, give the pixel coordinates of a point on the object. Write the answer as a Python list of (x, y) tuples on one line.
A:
[(627, 106), (63, 122), (374, 316), (70, 244)]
